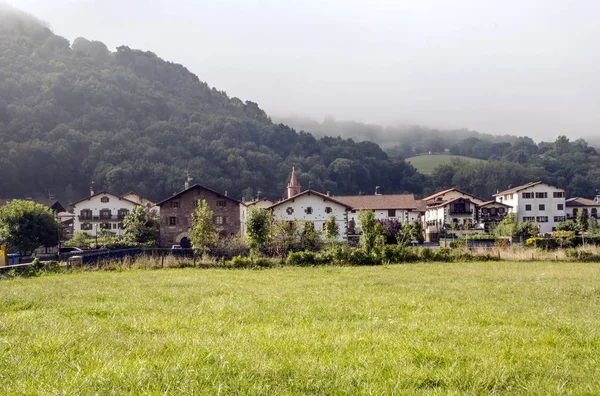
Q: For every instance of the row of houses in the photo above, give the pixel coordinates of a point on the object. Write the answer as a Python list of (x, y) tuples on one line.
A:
[(447, 212)]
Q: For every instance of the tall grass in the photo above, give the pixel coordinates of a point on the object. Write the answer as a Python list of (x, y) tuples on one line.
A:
[(458, 328)]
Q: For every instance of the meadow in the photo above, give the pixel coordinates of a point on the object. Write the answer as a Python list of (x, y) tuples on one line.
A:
[(437, 328), (426, 164)]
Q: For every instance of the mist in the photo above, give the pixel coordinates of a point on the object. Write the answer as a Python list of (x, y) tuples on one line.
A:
[(522, 68)]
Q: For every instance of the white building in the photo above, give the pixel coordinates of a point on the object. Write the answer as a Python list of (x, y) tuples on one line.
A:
[(538, 202), (590, 207), (313, 206), (451, 209), (99, 211)]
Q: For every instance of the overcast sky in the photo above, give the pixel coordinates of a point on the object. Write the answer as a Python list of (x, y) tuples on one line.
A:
[(506, 66)]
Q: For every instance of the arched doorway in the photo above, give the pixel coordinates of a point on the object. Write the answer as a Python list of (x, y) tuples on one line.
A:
[(185, 243)]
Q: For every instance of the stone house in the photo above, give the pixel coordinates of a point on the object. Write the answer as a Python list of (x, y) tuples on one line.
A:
[(176, 213)]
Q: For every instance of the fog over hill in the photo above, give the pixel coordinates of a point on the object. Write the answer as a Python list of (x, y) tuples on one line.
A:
[(510, 67)]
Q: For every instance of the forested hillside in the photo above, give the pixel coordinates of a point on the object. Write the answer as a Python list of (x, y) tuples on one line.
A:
[(128, 120), (511, 160)]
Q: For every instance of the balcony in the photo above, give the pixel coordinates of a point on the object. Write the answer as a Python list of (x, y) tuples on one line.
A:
[(101, 219), (460, 212)]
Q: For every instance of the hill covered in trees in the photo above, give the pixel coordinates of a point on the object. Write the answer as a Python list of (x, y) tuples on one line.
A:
[(127, 120)]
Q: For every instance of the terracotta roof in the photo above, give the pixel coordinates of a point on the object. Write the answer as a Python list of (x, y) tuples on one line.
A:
[(248, 203), (495, 202), (518, 188), (100, 193), (140, 196), (439, 194), (179, 194), (312, 192), (444, 203), (581, 202), (379, 202), (421, 205)]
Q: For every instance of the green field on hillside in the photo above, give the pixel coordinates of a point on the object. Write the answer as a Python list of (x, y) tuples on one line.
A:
[(427, 163), (467, 328)]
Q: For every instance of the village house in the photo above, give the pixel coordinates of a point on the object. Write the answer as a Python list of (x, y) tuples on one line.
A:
[(537, 202), (176, 215), (101, 211), (148, 204), (400, 207), (263, 203), (590, 207), (451, 210)]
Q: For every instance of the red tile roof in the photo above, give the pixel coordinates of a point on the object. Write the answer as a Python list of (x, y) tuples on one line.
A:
[(380, 202)]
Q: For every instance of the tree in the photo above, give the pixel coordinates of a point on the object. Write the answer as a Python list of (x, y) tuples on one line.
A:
[(141, 229), (309, 237), (332, 230), (370, 228), (81, 239), (567, 225), (582, 220), (203, 234), (592, 228), (258, 227), (26, 225)]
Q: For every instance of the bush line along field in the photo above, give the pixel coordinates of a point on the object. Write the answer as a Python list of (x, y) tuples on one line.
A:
[(467, 328), (426, 164)]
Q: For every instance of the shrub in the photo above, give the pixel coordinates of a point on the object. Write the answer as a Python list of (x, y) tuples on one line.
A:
[(443, 254), (229, 248), (241, 262), (360, 257)]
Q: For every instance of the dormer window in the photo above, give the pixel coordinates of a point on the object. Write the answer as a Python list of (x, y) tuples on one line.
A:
[(104, 199)]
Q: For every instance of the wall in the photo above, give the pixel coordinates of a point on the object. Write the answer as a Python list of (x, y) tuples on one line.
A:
[(318, 216)]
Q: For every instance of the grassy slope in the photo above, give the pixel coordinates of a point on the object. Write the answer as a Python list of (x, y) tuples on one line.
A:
[(427, 163), (461, 328)]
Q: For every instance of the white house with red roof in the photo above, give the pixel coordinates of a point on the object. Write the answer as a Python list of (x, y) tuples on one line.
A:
[(101, 211)]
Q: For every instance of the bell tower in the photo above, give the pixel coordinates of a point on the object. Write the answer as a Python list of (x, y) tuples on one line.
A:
[(293, 187)]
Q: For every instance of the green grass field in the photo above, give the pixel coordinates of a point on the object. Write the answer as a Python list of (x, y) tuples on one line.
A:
[(427, 163), (510, 328)]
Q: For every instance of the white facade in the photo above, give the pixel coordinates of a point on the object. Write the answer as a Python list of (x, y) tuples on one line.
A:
[(314, 207), (539, 203), (101, 211)]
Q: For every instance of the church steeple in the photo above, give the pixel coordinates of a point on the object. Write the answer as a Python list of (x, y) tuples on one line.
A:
[(293, 187)]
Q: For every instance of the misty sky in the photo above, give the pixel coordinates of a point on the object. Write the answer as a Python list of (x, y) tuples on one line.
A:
[(519, 67)]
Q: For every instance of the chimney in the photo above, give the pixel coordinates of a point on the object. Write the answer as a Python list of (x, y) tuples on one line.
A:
[(598, 197), (92, 189), (328, 194), (225, 192), (377, 190)]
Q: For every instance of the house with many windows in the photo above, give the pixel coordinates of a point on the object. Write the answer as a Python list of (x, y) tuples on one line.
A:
[(537, 202), (176, 214), (101, 211), (451, 210)]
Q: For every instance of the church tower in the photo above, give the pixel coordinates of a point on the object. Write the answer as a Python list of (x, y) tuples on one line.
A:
[(293, 187)]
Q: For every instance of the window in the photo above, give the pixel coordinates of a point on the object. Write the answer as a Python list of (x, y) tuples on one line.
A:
[(541, 195), (172, 220), (558, 194), (114, 226), (527, 207), (392, 213), (221, 203), (105, 226), (289, 210), (308, 210), (541, 219), (85, 214), (122, 213), (542, 207), (594, 212), (104, 199), (500, 199), (527, 195), (86, 226), (511, 196), (559, 219), (219, 220), (328, 210), (175, 204), (560, 207), (105, 214), (528, 218)]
